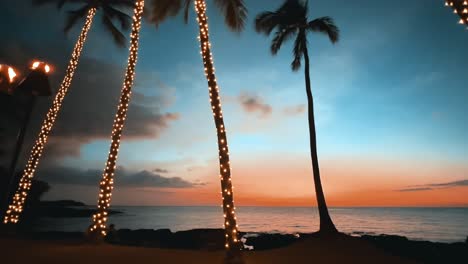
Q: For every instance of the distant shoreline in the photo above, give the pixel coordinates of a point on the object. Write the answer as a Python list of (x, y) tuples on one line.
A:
[(425, 224), (66, 209)]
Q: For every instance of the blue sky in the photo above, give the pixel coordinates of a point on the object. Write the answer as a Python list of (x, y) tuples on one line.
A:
[(393, 89)]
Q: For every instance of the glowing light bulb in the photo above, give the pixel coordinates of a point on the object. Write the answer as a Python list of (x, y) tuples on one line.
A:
[(11, 74)]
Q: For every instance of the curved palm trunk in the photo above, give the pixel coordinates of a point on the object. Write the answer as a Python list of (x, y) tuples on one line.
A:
[(106, 185), (326, 224), (17, 151), (14, 210), (233, 245)]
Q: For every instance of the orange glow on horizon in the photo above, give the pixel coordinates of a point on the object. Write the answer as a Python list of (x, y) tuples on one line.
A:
[(347, 182)]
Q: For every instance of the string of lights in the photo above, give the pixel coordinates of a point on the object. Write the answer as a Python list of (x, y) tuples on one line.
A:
[(460, 7), (230, 220), (99, 221), (16, 207)]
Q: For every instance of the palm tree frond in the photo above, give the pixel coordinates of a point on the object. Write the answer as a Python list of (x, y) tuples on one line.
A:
[(293, 12), (327, 26), (299, 48), (119, 38), (235, 13), (160, 10), (75, 15), (281, 36), (186, 10), (265, 22), (124, 19)]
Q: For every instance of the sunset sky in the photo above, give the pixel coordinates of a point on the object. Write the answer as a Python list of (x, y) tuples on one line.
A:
[(391, 109)]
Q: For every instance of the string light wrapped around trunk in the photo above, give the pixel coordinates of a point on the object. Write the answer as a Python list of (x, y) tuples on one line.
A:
[(99, 221), (17, 206), (460, 7), (232, 242)]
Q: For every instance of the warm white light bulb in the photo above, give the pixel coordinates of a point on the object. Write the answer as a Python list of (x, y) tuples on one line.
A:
[(11, 74)]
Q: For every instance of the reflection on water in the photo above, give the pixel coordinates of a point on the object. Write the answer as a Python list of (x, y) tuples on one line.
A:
[(434, 224)]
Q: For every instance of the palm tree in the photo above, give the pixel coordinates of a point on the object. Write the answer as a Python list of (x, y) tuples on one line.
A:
[(87, 11), (235, 13), (106, 185), (291, 20)]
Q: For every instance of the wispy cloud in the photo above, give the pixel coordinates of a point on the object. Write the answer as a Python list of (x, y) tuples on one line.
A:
[(415, 189), (124, 177), (254, 104), (159, 170), (434, 186), (294, 110), (450, 184)]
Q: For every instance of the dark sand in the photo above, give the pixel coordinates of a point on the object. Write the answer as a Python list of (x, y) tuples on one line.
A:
[(341, 250)]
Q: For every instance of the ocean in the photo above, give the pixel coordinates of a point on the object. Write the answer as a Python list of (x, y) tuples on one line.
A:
[(432, 224)]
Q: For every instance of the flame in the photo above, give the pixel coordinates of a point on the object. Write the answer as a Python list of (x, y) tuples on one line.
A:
[(41, 65), (11, 74), (35, 65)]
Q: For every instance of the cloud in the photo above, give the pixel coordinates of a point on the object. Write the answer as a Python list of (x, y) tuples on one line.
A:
[(158, 170), (123, 177), (414, 189), (254, 104), (450, 184), (91, 103), (435, 186), (294, 110)]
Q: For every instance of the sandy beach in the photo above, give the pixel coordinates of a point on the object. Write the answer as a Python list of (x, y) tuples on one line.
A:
[(313, 250)]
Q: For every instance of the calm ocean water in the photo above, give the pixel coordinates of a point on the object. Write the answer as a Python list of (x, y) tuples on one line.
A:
[(433, 224)]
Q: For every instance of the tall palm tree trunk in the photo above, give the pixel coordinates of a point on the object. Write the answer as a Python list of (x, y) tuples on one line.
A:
[(106, 185), (14, 210), (326, 224), (233, 244), (17, 151)]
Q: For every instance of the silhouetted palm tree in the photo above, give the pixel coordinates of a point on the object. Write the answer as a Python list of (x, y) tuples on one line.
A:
[(87, 11), (99, 225), (234, 12), (290, 21)]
